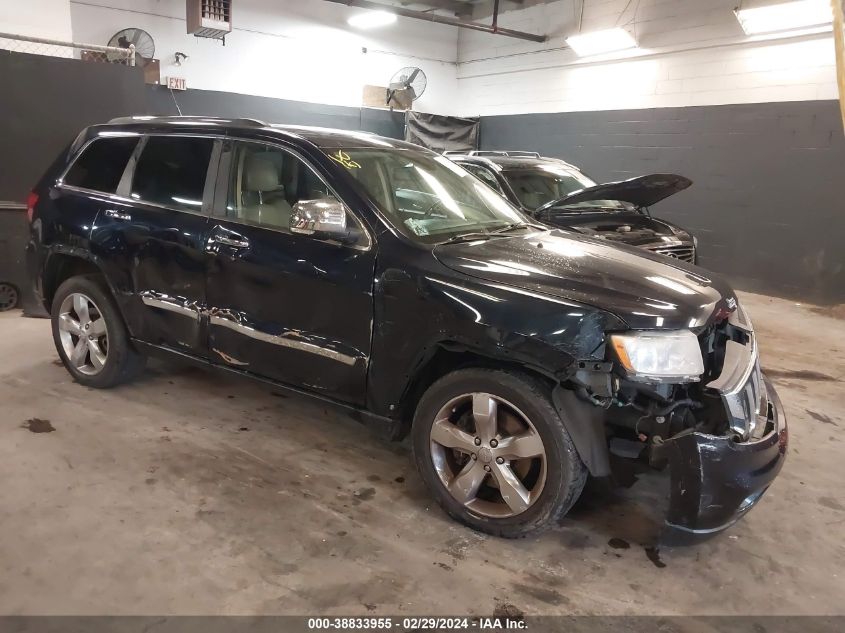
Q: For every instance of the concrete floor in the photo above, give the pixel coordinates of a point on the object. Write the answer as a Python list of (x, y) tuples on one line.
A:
[(189, 492)]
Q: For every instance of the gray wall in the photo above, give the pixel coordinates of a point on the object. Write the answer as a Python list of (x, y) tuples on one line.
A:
[(766, 202), (45, 102)]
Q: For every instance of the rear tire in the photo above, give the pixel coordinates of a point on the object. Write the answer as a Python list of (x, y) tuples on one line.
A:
[(470, 471), (90, 335)]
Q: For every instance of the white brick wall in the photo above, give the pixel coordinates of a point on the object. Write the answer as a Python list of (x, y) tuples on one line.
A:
[(695, 54), (36, 18), (301, 50)]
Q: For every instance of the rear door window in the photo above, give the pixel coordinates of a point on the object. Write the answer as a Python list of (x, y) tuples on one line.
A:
[(101, 164), (171, 172)]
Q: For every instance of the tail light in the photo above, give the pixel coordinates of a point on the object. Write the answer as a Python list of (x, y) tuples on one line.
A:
[(31, 201)]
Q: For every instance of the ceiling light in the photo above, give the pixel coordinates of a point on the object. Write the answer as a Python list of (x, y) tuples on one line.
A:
[(788, 16), (372, 19), (599, 42)]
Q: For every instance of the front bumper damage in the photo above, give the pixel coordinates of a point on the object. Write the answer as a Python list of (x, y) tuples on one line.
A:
[(715, 480)]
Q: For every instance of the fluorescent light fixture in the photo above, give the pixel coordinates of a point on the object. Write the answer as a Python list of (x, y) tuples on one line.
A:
[(788, 16), (372, 19), (599, 42)]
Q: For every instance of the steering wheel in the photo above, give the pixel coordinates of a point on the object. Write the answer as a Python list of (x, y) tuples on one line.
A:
[(427, 213)]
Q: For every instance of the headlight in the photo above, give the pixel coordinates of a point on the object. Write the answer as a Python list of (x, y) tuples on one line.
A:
[(695, 241), (660, 356)]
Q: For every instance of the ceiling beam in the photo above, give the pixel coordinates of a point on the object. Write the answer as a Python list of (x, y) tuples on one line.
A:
[(440, 19), (456, 7)]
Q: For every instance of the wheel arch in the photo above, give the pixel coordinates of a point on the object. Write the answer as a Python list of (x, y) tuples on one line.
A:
[(61, 265), (445, 357)]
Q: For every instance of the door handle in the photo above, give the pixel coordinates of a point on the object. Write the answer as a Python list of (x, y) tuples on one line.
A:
[(117, 215), (228, 239)]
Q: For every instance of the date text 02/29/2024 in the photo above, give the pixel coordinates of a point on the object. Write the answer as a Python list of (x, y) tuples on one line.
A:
[(416, 623)]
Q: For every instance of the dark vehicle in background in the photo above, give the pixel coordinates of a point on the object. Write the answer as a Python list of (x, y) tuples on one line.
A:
[(389, 281), (557, 193)]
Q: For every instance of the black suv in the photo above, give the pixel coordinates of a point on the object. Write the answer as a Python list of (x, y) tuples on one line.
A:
[(561, 195), (384, 278)]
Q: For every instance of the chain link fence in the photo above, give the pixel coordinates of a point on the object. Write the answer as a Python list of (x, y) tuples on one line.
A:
[(71, 50)]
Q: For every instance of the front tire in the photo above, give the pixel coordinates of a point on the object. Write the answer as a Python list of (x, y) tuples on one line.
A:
[(493, 451), (90, 335)]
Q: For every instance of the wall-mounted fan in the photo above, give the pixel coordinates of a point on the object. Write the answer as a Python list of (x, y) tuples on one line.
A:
[(145, 47), (406, 86)]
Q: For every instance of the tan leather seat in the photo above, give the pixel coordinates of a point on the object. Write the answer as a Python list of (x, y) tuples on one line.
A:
[(264, 192)]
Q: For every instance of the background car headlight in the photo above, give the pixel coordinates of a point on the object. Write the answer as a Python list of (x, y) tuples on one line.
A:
[(659, 356)]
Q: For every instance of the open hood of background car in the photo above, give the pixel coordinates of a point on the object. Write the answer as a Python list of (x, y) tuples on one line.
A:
[(642, 191)]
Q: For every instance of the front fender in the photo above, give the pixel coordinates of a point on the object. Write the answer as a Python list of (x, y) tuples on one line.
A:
[(417, 314)]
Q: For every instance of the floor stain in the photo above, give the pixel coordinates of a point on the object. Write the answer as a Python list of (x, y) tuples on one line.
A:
[(835, 312), (833, 504), (444, 566), (37, 425), (399, 480), (548, 596), (508, 610), (799, 374), (654, 556), (619, 543), (820, 417), (364, 494), (373, 478)]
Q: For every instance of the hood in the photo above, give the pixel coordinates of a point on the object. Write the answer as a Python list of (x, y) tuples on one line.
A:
[(646, 291), (642, 191)]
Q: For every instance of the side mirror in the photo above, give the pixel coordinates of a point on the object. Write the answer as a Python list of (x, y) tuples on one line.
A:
[(324, 218)]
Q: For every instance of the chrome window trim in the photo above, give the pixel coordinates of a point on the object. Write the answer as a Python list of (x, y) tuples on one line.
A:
[(360, 247)]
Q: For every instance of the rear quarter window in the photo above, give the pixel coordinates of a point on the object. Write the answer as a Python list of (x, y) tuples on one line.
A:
[(101, 164)]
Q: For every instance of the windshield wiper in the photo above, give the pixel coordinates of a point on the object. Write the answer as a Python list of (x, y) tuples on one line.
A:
[(511, 227), (468, 237)]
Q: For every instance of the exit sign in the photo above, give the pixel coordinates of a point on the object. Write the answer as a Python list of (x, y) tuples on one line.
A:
[(177, 83)]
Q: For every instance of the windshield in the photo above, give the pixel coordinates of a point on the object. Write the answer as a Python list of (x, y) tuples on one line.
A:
[(428, 198), (548, 182)]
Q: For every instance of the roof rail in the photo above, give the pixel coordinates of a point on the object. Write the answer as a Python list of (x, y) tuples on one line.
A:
[(481, 153), (185, 119), (522, 154)]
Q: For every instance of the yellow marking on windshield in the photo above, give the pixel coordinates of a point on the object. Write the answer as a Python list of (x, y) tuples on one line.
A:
[(344, 159)]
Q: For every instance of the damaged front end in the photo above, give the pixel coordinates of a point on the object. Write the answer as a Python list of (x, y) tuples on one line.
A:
[(723, 435)]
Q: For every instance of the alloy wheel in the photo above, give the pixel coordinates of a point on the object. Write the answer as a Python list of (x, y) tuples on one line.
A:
[(488, 455), (83, 333), (8, 297)]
